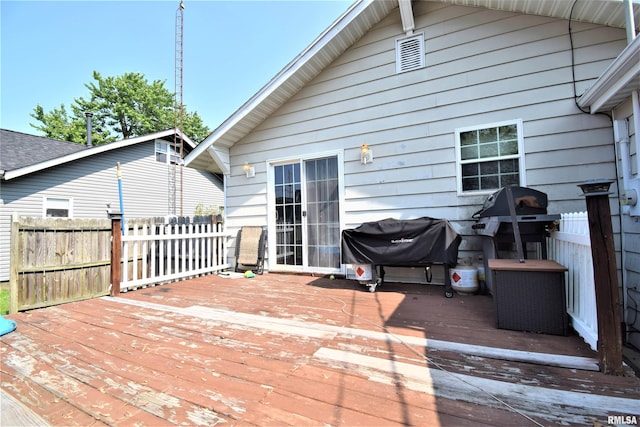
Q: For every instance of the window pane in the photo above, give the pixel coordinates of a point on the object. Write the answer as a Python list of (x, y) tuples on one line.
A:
[(508, 148), (288, 174), (488, 135), (469, 152), (468, 138), (57, 213), (322, 168), (489, 168), (310, 168), (509, 166), (489, 182), (512, 179), (508, 132), (488, 150), (333, 166), (470, 184), (470, 169), (296, 172)]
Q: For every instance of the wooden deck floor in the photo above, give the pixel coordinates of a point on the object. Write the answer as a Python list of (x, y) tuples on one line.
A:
[(281, 350)]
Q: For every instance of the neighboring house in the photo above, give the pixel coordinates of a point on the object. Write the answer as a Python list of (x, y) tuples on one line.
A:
[(454, 98), (41, 177)]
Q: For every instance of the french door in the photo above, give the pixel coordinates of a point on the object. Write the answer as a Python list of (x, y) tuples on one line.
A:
[(304, 232)]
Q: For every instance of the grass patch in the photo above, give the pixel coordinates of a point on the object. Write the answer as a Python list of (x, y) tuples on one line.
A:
[(4, 301)]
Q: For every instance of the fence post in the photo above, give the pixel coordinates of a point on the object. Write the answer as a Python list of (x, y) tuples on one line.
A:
[(605, 275), (116, 252), (15, 262)]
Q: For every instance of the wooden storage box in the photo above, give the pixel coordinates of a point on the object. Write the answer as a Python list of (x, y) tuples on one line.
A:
[(529, 296)]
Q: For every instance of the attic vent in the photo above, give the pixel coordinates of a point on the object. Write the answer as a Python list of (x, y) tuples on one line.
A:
[(410, 53)]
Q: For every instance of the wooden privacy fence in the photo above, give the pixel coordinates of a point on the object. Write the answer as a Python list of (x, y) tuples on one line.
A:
[(54, 261), (571, 247), (155, 252)]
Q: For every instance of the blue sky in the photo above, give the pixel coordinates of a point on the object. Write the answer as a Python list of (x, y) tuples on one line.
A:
[(49, 49)]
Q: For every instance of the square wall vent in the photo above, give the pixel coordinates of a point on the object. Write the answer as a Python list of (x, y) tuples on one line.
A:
[(410, 53)]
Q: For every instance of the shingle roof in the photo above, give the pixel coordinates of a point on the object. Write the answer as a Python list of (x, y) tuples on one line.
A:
[(18, 149)]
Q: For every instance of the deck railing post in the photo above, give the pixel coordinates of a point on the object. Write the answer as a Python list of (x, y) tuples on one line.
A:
[(605, 276), (116, 252)]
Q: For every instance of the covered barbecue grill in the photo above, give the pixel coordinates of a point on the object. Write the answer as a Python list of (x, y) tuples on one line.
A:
[(496, 225), (419, 242)]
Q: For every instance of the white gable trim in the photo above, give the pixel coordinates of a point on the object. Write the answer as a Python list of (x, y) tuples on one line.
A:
[(220, 156)]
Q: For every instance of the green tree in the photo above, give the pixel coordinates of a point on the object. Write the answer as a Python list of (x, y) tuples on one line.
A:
[(123, 107)]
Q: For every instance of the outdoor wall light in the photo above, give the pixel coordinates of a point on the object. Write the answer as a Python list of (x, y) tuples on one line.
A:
[(596, 187), (249, 170), (366, 154)]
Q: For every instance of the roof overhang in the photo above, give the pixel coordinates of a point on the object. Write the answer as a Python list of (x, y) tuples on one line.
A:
[(97, 149), (616, 83)]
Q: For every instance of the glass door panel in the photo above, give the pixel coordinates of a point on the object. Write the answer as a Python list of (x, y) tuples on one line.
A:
[(322, 219), (288, 204)]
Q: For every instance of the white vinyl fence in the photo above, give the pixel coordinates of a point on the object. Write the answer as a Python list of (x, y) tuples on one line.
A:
[(571, 247), (154, 253)]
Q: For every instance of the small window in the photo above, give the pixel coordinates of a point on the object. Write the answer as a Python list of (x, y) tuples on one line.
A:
[(490, 157), (410, 53), (165, 153), (57, 207)]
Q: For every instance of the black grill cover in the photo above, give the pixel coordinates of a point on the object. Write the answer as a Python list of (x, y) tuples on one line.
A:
[(393, 242)]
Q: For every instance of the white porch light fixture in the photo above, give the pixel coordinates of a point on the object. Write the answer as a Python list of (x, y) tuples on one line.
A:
[(249, 170), (366, 154)]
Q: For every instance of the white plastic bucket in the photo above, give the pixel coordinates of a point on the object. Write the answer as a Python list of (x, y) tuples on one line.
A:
[(362, 271), (464, 279)]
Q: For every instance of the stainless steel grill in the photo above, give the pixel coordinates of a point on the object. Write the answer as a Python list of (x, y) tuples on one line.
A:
[(495, 223)]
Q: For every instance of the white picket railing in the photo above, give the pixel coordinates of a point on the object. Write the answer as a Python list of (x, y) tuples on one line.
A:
[(157, 253), (571, 247)]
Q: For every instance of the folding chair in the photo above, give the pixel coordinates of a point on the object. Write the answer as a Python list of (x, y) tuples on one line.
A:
[(250, 246)]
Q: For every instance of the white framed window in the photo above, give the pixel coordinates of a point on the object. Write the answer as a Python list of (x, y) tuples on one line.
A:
[(489, 157), (57, 207), (165, 152), (410, 53)]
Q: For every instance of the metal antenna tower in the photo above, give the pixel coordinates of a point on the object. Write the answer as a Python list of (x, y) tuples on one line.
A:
[(178, 119)]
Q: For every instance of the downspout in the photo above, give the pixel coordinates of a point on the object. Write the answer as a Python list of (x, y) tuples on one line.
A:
[(635, 101), (621, 137), (630, 197)]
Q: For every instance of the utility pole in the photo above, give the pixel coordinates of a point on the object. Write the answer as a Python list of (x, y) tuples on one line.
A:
[(178, 119)]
